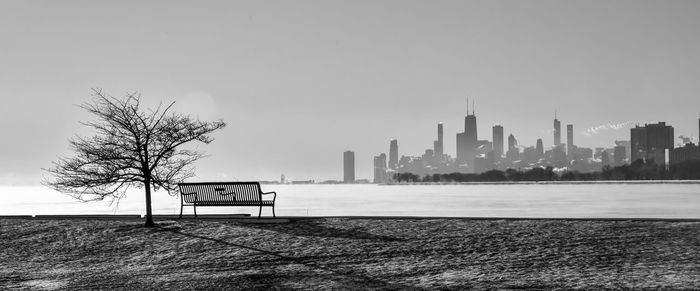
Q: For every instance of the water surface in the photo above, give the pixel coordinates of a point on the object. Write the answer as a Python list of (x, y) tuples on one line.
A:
[(485, 200)]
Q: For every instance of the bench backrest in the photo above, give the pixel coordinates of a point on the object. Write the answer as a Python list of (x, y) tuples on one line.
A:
[(211, 191)]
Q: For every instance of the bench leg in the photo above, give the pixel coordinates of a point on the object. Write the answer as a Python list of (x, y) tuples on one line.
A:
[(180, 210), (273, 212), (195, 210), (260, 212)]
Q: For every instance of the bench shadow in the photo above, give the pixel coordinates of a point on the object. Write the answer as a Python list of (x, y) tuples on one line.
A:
[(307, 227)]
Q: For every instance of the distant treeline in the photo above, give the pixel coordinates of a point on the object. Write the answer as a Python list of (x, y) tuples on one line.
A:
[(638, 170)]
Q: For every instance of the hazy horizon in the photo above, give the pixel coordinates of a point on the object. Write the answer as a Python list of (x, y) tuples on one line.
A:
[(300, 82)]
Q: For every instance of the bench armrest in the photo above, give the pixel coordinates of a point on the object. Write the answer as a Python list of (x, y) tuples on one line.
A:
[(274, 197)]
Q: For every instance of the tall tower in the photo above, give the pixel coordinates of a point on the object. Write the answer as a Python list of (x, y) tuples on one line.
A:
[(557, 131), (539, 149), (497, 141), (349, 167), (467, 141), (570, 140), (438, 144), (394, 154)]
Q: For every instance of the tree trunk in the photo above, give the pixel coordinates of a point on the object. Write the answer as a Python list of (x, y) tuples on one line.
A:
[(149, 213)]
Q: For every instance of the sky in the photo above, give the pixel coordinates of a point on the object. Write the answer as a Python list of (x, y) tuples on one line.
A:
[(300, 82)]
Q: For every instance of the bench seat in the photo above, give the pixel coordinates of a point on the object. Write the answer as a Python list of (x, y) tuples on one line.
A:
[(235, 203)]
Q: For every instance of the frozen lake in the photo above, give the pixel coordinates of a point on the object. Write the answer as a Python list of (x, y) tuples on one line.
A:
[(484, 200)]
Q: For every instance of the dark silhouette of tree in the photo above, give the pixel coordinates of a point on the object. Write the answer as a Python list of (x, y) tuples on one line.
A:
[(638, 170), (688, 170), (131, 147), (406, 177), (493, 176)]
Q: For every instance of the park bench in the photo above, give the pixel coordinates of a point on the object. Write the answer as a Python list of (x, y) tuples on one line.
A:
[(224, 194)]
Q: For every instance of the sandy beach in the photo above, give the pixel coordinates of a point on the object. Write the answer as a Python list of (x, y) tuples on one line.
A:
[(348, 253)]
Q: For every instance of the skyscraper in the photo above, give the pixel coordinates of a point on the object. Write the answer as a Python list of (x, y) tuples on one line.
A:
[(513, 151), (570, 140), (349, 167), (394, 154), (557, 131), (467, 141), (512, 142), (438, 144), (539, 149), (380, 168), (497, 141), (651, 142)]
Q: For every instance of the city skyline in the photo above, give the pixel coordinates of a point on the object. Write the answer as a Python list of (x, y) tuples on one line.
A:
[(652, 141), (300, 82)]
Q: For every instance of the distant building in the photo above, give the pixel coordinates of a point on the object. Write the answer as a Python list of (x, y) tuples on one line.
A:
[(513, 153), (438, 147), (628, 149), (483, 146), (605, 158), (303, 182), (584, 153), (461, 139), (490, 161), (529, 155), (497, 141), (689, 152), (570, 141), (394, 154), (481, 164), (651, 142), (427, 159), (598, 152), (330, 182), (539, 148), (282, 179), (619, 155), (349, 167), (557, 131), (380, 169), (512, 142)]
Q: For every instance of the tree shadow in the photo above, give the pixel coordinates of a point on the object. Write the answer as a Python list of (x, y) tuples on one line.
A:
[(347, 275), (308, 227)]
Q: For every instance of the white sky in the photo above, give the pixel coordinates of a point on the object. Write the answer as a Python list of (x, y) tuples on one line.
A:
[(299, 82)]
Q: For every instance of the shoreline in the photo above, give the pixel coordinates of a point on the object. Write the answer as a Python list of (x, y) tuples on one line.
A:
[(601, 182), (248, 217)]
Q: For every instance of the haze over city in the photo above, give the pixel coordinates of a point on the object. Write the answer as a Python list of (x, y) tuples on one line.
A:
[(301, 82)]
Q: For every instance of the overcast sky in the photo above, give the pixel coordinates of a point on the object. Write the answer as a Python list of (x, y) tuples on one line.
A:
[(299, 82)]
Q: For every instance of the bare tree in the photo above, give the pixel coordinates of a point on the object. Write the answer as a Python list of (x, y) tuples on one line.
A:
[(131, 148)]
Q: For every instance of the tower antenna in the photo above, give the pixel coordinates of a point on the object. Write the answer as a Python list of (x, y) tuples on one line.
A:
[(467, 105)]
